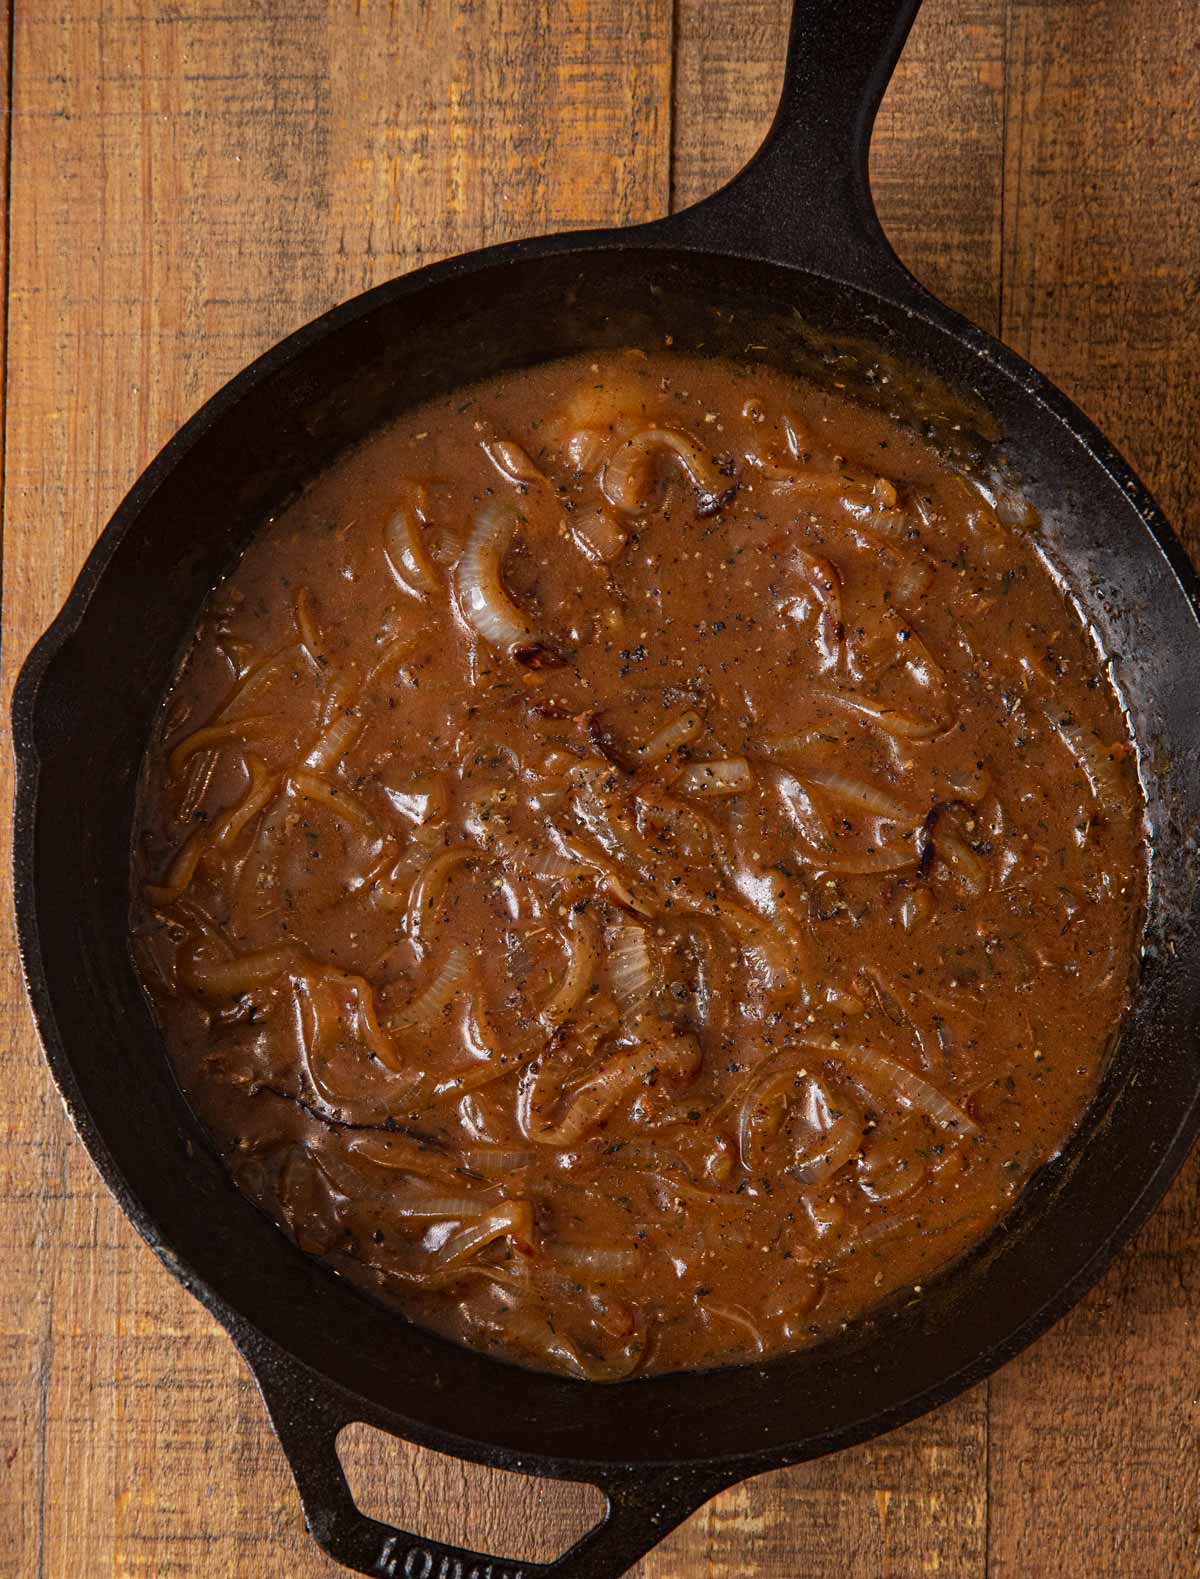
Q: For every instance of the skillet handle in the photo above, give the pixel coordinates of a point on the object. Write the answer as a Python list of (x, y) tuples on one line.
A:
[(805, 196), (308, 1413)]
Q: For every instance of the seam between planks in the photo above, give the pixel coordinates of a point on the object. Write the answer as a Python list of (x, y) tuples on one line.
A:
[(1002, 256), (672, 108), (5, 290), (1005, 40)]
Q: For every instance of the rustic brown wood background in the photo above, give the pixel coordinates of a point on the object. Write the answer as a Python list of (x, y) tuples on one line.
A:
[(187, 181)]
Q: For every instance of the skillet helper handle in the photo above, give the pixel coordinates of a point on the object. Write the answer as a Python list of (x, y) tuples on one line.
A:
[(307, 1416), (805, 197)]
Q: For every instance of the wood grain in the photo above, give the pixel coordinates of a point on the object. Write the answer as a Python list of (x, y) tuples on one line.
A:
[(189, 182), (1095, 1432), (915, 1501), (192, 181)]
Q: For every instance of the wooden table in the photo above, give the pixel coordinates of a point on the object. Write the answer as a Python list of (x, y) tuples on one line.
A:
[(191, 179)]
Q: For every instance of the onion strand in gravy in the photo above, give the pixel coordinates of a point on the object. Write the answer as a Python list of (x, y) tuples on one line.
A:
[(640, 864)]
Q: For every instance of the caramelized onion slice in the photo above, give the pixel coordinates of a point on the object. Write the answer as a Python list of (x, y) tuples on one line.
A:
[(391, 656), (909, 1090), (196, 783), (1096, 761), (1009, 506), (761, 1114), (218, 734), (585, 448), (497, 1161), (799, 747), (310, 1202), (670, 1054), (219, 835), (880, 863), (450, 1276), (253, 678), (770, 948), (340, 802), (532, 1331), (823, 1140), (712, 964), (262, 788), (623, 890), (486, 606), (483, 1073), (693, 835), (913, 580), (794, 461), (426, 893), (826, 588), (333, 1018), (583, 949), (399, 1153), (599, 534), (512, 461), (916, 909), (628, 478), (307, 627), (601, 809), (513, 1220), (963, 861), (612, 407), (629, 969), (600, 1260), (424, 803), (680, 731), (406, 553), (829, 1156), (737, 1316), (851, 491), (332, 744), (437, 1208), (724, 776), (893, 721), (442, 987), (886, 1172), (858, 794), (667, 1173), (772, 953), (230, 978)]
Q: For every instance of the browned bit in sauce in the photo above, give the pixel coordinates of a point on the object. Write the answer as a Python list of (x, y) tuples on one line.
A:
[(641, 862)]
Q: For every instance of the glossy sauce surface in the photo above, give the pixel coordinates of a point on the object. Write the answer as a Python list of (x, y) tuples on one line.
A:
[(641, 862)]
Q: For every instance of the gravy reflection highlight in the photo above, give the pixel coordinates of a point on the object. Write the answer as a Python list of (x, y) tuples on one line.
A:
[(640, 863)]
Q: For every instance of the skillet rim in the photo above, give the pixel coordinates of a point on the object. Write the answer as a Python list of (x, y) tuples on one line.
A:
[(656, 237)]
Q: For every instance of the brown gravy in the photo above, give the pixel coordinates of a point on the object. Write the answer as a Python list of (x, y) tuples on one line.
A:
[(641, 862)]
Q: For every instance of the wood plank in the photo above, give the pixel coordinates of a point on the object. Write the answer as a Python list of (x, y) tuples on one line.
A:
[(936, 154), (728, 69), (190, 182), (1102, 197), (1095, 1432), (19, 1392), (914, 1501)]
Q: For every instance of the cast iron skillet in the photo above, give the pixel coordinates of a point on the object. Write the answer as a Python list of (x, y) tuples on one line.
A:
[(793, 238)]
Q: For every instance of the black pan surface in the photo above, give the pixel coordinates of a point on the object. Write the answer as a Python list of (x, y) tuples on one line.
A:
[(789, 258)]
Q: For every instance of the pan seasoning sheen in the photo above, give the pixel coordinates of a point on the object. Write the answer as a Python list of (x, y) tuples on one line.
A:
[(640, 863)]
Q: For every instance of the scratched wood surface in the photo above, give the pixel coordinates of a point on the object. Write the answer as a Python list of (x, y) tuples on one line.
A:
[(190, 179)]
